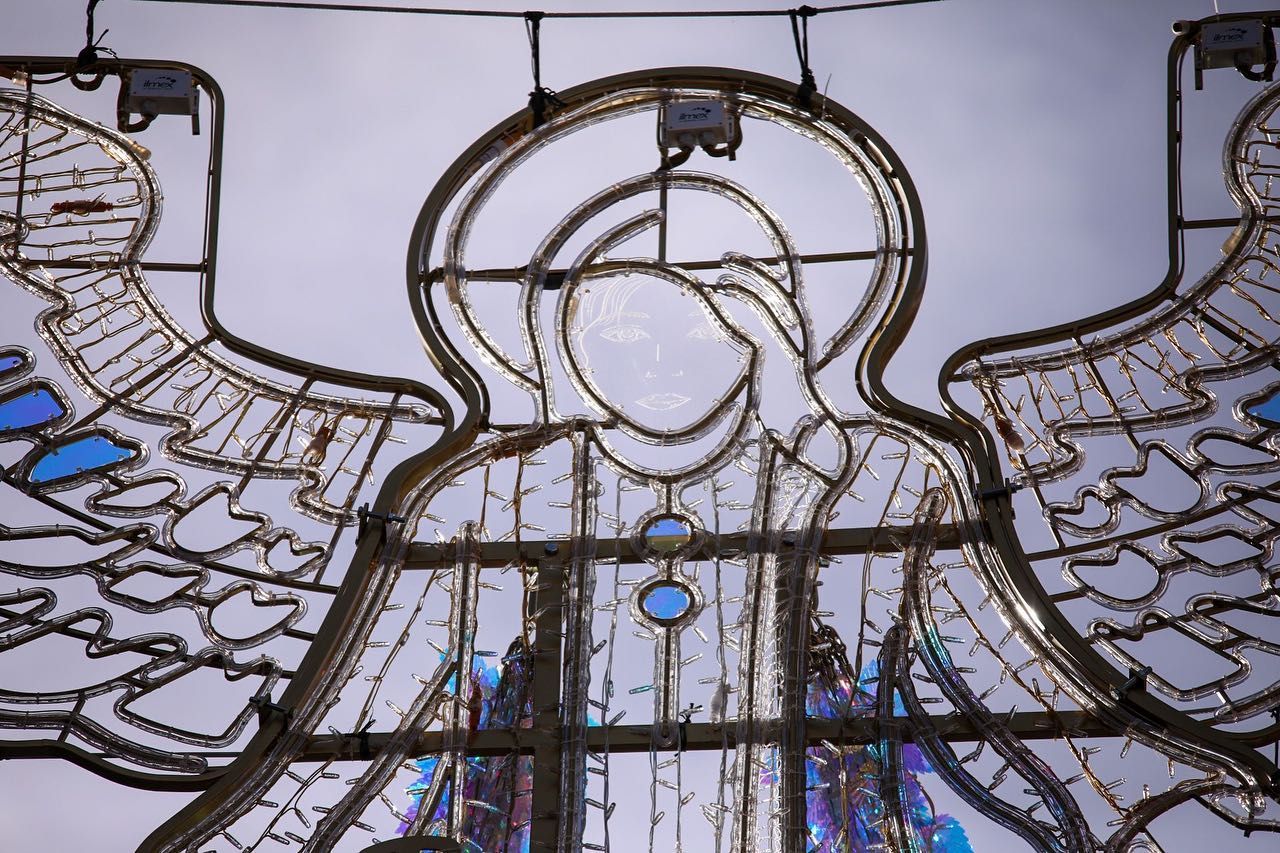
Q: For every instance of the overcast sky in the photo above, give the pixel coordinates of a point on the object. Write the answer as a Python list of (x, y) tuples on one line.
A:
[(1034, 132)]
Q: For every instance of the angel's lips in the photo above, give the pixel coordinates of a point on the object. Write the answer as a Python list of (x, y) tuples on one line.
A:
[(663, 402)]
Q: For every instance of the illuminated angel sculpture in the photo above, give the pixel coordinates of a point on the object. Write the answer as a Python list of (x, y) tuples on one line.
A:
[(660, 564)]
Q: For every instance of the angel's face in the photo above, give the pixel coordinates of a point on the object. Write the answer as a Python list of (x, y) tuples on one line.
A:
[(652, 349)]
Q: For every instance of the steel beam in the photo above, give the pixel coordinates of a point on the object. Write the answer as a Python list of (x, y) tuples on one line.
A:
[(146, 266), (517, 274), (887, 539), (549, 601), (1026, 725)]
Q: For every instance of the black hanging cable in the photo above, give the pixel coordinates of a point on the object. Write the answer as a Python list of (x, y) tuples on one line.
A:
[(541, 97), (1269, 63), (800, 33), (88, 55)]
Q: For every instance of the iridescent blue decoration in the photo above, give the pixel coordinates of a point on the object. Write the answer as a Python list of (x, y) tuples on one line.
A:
[(666, 601), (94, 452), (11, 362), (504, 703), (33, 408), (1267, 411), (831, 695)]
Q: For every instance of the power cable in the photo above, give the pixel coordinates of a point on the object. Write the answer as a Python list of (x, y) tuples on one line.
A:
[(542, 98), (84, 76), (88, 55)]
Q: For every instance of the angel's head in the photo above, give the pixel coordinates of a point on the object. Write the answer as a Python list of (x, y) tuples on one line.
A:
[(653, 347), (660, 348), (671, 302)]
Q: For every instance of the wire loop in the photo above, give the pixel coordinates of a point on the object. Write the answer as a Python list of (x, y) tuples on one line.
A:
[(800, 33), (541, 97), (88, 55)]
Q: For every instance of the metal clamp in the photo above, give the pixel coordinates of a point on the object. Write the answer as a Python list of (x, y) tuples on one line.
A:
[(368, 517), (268, 709), (1137, 681)]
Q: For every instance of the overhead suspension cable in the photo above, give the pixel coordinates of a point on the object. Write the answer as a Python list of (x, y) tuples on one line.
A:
[(800, 32), (501, 13)]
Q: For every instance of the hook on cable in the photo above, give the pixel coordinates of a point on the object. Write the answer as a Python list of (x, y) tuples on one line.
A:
[(88, 55), (800, 33), (541, 98)]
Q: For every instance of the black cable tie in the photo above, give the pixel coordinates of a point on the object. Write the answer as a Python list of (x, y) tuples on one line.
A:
[(361, 737), (800, 34), (683, 727)]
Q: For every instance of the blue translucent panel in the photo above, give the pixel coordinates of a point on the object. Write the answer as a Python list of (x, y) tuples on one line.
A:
[(35, 408), (10, 362), (1268, 410), (668, 533), (91, 453), (666, 601)]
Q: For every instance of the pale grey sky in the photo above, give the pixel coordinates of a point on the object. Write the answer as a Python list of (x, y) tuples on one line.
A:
[(1034, 132)]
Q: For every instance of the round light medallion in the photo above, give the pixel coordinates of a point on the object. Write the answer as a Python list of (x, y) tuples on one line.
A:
[(668, 534), (666, 602)]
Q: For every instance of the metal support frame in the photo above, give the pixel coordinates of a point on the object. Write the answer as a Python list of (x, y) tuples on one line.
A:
[(1027, 725), (545, 739), (837, 542), (549, 605)]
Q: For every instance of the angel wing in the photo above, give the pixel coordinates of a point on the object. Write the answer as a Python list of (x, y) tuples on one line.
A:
[(1145, 440), (140, 457)]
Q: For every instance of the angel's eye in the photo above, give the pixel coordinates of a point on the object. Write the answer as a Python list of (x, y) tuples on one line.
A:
[(624, 334), (703, 332)]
